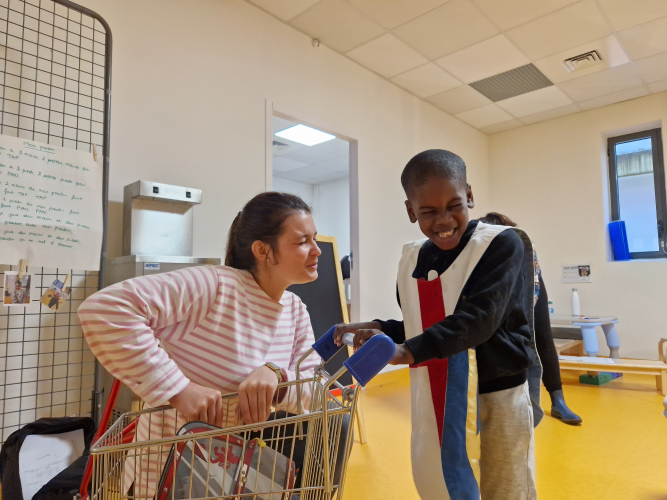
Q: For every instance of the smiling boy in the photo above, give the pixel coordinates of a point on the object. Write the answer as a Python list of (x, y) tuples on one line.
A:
[(467, 295)]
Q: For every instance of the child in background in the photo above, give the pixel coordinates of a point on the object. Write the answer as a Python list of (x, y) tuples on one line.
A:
[(467, 299), (544, 339)]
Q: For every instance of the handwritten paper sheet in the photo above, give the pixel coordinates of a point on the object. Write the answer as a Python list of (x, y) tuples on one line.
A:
[(43, 457), (50, 205)]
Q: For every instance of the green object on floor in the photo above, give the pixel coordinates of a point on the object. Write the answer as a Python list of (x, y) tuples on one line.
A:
[(601, 379)]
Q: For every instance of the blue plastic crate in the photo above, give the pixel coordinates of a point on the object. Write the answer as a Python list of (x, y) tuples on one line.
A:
[(619, 240)]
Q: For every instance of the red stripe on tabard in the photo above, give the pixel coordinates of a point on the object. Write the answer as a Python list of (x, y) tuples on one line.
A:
[(432, 308)]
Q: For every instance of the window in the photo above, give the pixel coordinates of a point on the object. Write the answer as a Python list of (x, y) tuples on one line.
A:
[(637, 182)]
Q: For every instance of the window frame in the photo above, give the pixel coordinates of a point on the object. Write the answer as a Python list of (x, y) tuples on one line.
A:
[(658, 185)]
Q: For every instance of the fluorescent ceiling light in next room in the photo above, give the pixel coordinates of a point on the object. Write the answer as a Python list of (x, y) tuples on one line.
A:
[(305, 135)]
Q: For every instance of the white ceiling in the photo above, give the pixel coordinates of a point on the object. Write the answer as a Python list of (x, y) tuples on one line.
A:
[(435, 48), (323, 162)]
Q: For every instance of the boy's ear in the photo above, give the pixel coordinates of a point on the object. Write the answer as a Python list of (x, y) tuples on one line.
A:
[(471, 198), (411, 212)]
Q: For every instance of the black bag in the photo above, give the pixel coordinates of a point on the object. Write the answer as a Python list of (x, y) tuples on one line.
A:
[(61, 486)]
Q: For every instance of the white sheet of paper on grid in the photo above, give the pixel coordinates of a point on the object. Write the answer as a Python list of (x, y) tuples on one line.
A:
[(43, 457)]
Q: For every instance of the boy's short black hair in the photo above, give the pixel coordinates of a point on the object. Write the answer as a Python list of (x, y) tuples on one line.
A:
[(432, 163)]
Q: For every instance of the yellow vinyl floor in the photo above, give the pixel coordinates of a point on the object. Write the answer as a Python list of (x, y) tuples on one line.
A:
[(619, 453)]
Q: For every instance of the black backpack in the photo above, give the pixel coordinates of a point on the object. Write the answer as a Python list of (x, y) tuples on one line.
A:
[(67, 483)]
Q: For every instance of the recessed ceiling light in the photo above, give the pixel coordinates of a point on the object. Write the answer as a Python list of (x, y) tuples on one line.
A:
[(305, 135)]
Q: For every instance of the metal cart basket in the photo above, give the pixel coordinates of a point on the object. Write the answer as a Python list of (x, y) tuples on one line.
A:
[(299, 453)]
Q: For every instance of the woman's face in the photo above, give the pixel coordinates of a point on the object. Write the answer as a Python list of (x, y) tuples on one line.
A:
[(297, 250)]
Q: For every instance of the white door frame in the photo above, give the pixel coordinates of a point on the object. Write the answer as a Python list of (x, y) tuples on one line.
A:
[(272, 109)]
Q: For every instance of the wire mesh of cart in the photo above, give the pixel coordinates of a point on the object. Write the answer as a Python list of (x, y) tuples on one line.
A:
[(300, 453)]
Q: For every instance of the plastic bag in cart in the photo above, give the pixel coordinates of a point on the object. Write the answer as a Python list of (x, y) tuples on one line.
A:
[(223, 465)]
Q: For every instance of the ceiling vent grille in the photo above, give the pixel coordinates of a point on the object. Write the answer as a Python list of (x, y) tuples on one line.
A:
[(512, 83), (582, 61), (279, 146)]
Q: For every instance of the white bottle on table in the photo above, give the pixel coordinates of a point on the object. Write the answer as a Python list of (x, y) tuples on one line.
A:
[(576, 305)]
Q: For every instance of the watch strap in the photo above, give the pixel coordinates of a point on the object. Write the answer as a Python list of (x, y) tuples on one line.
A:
[(276, 369)]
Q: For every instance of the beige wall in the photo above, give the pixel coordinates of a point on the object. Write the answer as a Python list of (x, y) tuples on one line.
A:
[(190, 81), (551, 178)]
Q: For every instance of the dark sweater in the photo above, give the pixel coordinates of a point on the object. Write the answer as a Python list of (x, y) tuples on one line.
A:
[(490, 315)]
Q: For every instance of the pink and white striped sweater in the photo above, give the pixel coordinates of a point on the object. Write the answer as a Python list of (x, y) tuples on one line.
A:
[(210, 325)]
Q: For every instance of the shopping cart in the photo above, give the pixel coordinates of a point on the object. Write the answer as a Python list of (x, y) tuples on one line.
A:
[(298, 454)]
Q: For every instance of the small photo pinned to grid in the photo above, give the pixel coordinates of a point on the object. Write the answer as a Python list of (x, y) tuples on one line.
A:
[(17, 292), (56, 295)]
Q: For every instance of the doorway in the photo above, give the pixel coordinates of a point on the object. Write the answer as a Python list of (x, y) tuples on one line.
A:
[(319, 166)]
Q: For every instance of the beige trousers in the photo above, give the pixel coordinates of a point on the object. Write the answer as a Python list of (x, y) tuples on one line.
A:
[(508, 445)]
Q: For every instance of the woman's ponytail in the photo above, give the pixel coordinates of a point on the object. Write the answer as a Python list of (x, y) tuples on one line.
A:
[(230, 261)]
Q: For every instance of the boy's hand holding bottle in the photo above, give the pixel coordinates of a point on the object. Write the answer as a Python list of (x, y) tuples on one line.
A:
[(364, 331)]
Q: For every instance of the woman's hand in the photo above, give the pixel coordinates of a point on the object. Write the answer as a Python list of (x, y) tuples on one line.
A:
[(359, 329), (256, 395), (197, 402)]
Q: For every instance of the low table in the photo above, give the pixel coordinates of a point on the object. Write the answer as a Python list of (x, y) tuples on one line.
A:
[(566, 344), (588, 325), (640, 366)]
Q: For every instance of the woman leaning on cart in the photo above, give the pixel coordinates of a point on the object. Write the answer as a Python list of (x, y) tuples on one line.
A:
[(182, 338)]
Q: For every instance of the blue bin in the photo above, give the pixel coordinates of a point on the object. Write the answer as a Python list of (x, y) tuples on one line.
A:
[(619, 240)]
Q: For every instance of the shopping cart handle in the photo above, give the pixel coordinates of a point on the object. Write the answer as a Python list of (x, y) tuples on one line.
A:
[(367, 361)]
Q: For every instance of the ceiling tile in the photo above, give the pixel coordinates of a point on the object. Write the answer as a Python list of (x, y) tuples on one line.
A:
[(653, 68), (646, 39), (312, 175), (426, 80), (309, 155), (501, 127), (552, 113), (658, 86), (560, 30), (628, 13), (451, 27), (280, 124), (510, 13), (283, 164), (338, 147), (285, 10), (535, 102), (603, 83), (458, 100), (609, 48), (335, 165), (337, 24), (484, 116), (291, 146), (490, 57), (387, 55), (296, 176), (605, 100), (396, 12)]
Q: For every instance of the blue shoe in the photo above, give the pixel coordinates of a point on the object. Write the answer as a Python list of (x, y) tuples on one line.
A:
[(560, 410)]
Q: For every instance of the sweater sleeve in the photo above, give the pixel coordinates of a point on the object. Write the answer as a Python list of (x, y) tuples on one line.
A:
[(303, 341), (120, 324), (482, 306)]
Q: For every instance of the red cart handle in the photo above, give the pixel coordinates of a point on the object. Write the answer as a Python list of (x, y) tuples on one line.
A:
[(104, 423)]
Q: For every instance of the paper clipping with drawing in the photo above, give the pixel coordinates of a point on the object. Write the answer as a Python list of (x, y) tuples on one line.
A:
[(50, 205)]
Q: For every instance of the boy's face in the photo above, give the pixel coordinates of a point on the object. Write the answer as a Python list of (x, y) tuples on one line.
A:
[(441, 208)]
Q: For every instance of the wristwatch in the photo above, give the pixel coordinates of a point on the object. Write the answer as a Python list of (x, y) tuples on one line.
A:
[(276, 369)]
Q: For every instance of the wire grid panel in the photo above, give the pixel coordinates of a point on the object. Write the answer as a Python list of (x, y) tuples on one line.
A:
[(53, 66), (52, 90), (46, 367)]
